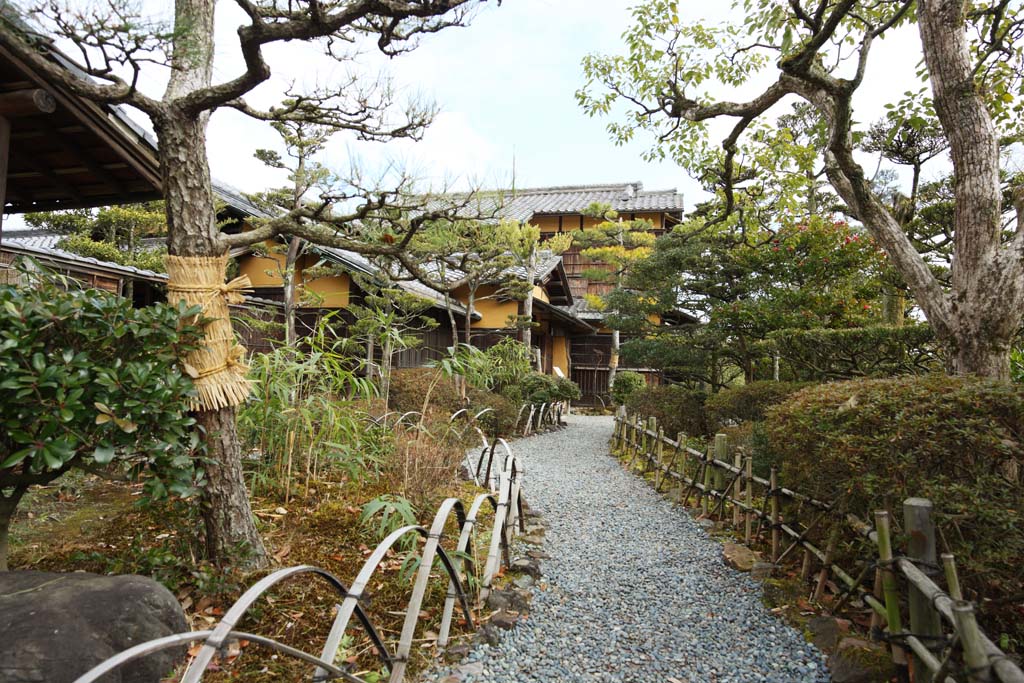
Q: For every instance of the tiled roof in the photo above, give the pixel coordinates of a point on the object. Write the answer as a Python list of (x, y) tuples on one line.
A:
[(44, 248), (523, 204)]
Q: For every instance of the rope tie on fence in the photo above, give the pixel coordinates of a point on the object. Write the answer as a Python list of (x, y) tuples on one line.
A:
[(938, 643)]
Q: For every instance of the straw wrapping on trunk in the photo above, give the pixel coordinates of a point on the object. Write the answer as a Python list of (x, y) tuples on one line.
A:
[(218, 369)]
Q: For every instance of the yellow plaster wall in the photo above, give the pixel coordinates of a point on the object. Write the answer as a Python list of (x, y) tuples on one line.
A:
[(560, 354), (540, 293), (263, 271), (494, 313), (331, 292)]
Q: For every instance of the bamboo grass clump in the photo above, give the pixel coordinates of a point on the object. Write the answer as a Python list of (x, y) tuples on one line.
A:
[(218, 370)]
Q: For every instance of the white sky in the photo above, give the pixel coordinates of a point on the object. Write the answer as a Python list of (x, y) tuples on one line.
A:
[(506, 88)]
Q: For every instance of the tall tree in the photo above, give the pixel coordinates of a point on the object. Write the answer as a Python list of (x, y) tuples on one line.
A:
[(819, 52), (303, 141), (118, 45), (616, 247)]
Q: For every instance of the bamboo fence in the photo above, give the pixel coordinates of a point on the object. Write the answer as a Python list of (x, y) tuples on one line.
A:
[(941, 640)]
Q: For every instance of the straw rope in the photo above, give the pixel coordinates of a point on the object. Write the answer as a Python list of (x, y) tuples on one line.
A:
[(218, 369)]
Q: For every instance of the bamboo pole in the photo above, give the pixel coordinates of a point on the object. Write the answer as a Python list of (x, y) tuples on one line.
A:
[(737, 461), (750, 499), (774, 480), (707, 484), (889, 586), (721, 453), (952, 578), (979, 669), (658, 475), (917, 521), (830, 550)]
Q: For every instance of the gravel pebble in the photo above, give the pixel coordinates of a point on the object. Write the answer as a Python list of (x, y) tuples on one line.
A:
[(636, 590)]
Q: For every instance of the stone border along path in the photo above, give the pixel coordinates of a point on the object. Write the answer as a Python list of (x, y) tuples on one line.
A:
[(634, 590)]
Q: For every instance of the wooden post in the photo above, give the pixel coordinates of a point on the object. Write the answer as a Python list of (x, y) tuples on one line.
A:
[(722, 454), (889, 586), (952, 578), (737, 461), (805, 566), (660, 450), (707, 483), (750, 498), (774, 482), (979, 669), (830, 550), (917, 521)]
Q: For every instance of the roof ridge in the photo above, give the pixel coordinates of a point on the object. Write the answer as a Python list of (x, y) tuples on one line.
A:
[(638, 185)]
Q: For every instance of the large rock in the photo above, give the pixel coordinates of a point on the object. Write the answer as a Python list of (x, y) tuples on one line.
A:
[(55, 627), (739, 556), (861, 661)]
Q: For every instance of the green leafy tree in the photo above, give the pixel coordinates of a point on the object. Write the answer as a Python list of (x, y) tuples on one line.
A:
[(819, 52), (820, 273), (391, 319), (303, 141), (90, 383), (112, 233), (617, 247)]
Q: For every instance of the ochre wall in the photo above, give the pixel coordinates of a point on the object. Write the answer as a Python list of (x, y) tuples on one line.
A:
[(494, 312), (539, 293), (330, 292), (560, 354), (265, 271), (571, 221)]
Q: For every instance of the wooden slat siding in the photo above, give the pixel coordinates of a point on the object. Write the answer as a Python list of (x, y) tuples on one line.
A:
[(593, 381)]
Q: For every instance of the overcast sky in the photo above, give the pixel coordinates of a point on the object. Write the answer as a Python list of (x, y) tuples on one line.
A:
[(505, 86)]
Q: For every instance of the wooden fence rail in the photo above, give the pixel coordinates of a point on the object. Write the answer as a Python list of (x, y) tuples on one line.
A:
[(942, 641)]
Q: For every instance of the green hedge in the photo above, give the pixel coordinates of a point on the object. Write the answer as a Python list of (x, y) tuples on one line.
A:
[(627, 383), (746, 403), (869, 444), (677, 408), (878, 351)]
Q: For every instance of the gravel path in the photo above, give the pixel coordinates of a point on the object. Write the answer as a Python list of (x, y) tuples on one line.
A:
[(635, 590)]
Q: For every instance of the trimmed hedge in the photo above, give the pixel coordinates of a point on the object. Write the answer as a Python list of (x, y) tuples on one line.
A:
[(627, 383), (677, 408), (746, 403), (959, 441)]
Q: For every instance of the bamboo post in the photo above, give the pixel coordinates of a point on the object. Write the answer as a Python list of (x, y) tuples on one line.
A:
[(889, 586), (979, 669), (680, 448), (660, 450), (707, 483), (917, 522), (750, 499), (652, 427), (774, 493), (737, 461), (952, 578), (830, 551), (805, 566), (721, 453)]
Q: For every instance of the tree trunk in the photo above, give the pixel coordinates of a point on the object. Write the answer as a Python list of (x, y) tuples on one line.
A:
[(470, 306), (192, 231), (290, 286), (231, 535), (531, 267), (613, 360), (385, 371)]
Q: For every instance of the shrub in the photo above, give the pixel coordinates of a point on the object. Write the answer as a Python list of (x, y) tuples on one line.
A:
[(676, 407), (877, 351), (746, 403), (508, 362), (86, 381), (536, 387), (626, 384), (869, 444)]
